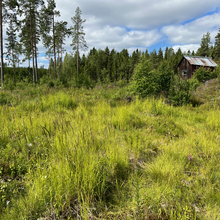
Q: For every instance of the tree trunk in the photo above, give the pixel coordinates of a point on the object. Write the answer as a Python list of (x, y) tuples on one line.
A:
[(14, 72), (58, 62), (77, 60), (32, 48), (1, 37), (29, 64), (61, 61), (35, 44), (54, 51)]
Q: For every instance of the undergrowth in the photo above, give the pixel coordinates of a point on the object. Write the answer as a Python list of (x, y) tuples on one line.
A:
[(91, 154)]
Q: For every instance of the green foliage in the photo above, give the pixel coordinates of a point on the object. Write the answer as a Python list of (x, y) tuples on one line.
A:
[(50, 84), (203, 74), (217, 46), (205, 46), (164, 77), (73, 153), (9, 84), (179, 93), (4, 98), (144, 79), (194, 83), (44, 80)]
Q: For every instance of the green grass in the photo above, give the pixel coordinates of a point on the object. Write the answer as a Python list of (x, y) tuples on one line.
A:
[(89, 154)]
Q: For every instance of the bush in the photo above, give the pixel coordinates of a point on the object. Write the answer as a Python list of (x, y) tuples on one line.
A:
[(64, 81), (203, 74), (164, 77), (3, 98), (122, 83), (179, 93), (9, 85), (50, 84), (44, 80), (194, 83), (144, 80)]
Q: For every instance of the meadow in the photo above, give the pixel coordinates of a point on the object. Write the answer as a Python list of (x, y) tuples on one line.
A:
[(90, 154)]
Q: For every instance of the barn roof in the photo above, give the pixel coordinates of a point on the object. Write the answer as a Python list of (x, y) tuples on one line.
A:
[(200, 61)]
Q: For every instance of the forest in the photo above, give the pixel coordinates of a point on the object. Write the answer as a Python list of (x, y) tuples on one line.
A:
[(29, 22)]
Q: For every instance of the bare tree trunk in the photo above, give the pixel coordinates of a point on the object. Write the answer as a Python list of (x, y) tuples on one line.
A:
[(14, 72), (1, 37), (61, 61), (54, 51), (32, 49), (29, 64), (58, 62), (77, 60), (35, 44)]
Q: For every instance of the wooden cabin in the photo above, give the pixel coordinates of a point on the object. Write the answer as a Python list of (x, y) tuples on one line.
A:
[(189, 64)]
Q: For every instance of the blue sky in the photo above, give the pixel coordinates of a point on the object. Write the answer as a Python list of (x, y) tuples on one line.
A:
[(142, 24)]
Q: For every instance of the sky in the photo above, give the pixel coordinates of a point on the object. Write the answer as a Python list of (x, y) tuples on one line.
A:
[(141, 24)]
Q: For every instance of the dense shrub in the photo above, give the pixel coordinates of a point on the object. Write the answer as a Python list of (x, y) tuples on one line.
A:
[(203, 74), (50, 84), (179, 93), (44, 80), (144, 80), (3, 98), (164, 77), (194, 83)]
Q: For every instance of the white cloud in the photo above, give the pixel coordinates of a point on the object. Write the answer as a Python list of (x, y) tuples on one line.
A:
[(141, 14), (191, 33), (119, 38), (185, 48), (140, 24)]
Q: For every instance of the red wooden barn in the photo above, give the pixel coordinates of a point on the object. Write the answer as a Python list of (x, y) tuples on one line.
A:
[(189, 64)]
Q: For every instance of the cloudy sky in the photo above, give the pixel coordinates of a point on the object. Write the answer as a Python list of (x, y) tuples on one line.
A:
[(142, 24)]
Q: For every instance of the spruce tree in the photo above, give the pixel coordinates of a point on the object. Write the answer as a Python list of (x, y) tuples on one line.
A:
[(78, 41), (217, 46), (11, 45), (160, 55), (205, 46)]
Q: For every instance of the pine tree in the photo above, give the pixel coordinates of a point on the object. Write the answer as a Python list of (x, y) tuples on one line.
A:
[(205, 46), (47, 25), (30, 30), (61, 32), (78, 41), (6, 14)]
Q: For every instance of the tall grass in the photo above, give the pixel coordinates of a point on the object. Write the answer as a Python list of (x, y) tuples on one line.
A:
[(89, 154)]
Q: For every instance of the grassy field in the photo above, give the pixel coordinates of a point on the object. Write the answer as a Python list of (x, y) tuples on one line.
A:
[(90, 154)]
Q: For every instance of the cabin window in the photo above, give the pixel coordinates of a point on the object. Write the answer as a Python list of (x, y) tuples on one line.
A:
[(184, 72)]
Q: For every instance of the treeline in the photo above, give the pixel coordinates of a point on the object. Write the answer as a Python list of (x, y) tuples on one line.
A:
[(108, 66), (32, 21)]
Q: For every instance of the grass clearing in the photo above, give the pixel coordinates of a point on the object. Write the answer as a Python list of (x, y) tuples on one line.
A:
[(90, 154)]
